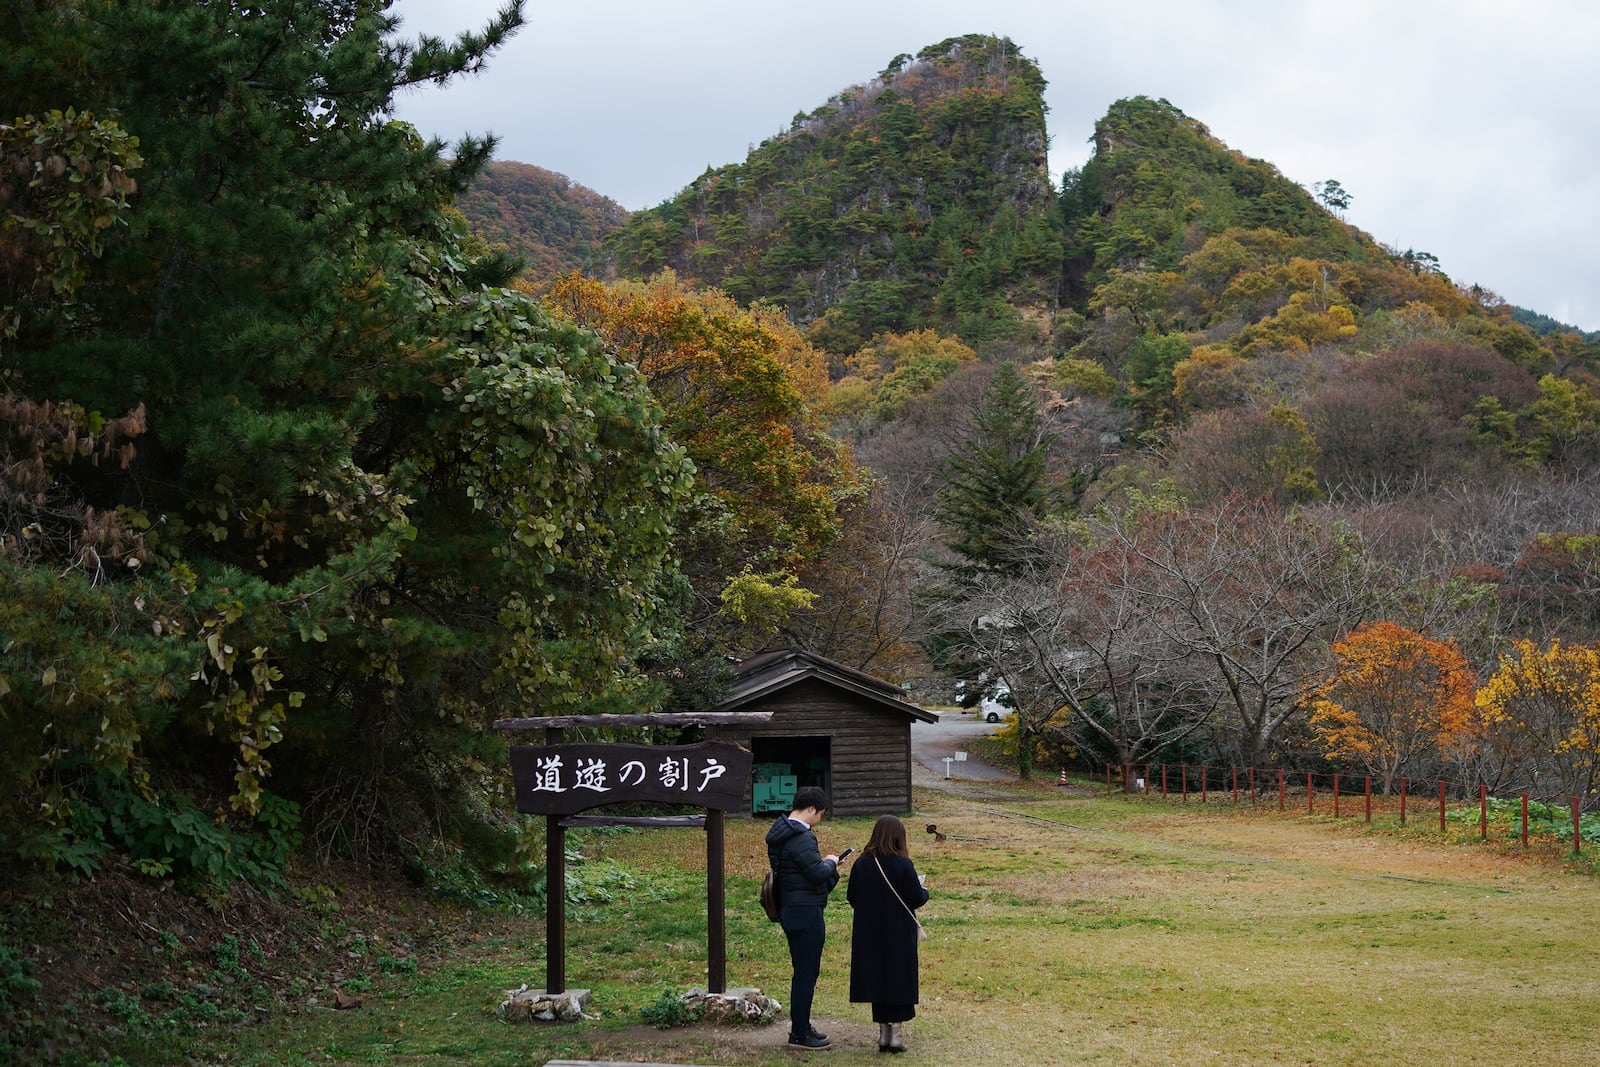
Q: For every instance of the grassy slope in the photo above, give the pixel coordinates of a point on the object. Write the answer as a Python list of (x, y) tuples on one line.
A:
[(1066, 930)]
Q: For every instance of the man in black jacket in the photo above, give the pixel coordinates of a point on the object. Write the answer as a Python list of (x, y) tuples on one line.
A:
[(804, 879)]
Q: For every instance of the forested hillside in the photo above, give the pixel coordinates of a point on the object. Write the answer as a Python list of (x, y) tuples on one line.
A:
[(1255, 434), (919, 198), (549, 221), (300, 489), (1544, 325)]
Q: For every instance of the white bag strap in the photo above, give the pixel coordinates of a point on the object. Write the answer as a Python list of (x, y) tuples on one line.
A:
[(896, 893)]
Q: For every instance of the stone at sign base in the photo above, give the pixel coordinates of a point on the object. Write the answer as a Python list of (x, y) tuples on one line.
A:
[(535, 1005), (735, 1006)]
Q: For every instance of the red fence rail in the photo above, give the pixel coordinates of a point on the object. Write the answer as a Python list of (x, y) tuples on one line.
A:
[(1142, 778)]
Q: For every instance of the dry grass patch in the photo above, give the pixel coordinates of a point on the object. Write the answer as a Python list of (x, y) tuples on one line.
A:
[(1067, 929)]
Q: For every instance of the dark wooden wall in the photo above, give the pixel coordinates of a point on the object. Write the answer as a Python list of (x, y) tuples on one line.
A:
[(870, 744)]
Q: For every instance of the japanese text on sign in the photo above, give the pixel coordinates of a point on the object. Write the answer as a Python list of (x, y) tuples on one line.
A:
[(592, 773), (561, 779)]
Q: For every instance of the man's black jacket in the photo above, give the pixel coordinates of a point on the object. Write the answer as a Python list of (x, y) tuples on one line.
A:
[(804, 878)]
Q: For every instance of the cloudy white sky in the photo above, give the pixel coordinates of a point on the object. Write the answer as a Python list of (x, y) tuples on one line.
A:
[(1465, 128)]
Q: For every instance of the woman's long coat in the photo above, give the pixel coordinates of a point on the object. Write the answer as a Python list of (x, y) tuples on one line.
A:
[(883, 936)]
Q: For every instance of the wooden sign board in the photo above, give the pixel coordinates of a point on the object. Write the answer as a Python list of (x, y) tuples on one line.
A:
[(566, 779)]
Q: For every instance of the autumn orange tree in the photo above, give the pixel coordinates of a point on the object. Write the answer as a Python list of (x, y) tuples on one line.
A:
[(740, 389), (1542, 709), (1395, 698)]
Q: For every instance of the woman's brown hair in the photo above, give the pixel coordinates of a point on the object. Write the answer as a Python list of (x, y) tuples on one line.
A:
[(888, 837)]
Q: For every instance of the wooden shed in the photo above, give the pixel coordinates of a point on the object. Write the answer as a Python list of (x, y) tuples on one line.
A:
[(832, 726)]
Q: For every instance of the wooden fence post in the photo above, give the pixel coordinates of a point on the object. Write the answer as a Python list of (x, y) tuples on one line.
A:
[(1441, 805), (1311, 794), (1202, 783), (1368, 789), (1280, 788), (1336, 796), (1402, 801), (1577, 840), (1483, 811)]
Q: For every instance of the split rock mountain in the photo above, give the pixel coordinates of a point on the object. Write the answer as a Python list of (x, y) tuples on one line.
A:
[(922, 199)]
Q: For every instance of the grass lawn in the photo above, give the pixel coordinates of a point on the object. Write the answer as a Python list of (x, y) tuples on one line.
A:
[(1066, 929)]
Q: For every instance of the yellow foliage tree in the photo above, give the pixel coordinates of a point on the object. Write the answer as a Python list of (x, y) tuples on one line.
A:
[(1542, 709), (1394, 697), (739, 388), (894, 369), (1211, 377), (1298, 326)]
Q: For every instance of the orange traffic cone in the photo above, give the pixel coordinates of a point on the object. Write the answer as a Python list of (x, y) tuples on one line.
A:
[(1063, 780)]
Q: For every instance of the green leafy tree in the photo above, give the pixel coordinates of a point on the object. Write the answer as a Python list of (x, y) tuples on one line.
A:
[(1565, 421), (1149, 367), (65, 181), (292, 487)]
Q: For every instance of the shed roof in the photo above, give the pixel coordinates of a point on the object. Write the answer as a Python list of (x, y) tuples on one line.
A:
[(769, 672)]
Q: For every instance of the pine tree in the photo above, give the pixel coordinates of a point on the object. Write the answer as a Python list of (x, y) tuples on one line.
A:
[(996, 493), (308, 482), (992, 507)]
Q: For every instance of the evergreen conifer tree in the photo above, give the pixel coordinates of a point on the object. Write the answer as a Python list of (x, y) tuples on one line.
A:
[(996, 493), (305, 486), (993, 504)]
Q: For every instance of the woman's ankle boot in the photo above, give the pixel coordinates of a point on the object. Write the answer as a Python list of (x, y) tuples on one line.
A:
[(896, 1038), (883, 1037)]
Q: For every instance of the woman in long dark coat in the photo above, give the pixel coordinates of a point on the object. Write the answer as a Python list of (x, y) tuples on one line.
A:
[(883, 931)]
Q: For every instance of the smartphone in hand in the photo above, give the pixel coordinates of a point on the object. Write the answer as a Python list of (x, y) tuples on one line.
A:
[(845, 855)]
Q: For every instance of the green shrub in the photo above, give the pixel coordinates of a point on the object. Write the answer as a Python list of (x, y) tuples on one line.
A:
[(397, 965), (123, 1008), (16, 981), (670, 1010), (168, 836), (1544, 819), (226, 953)]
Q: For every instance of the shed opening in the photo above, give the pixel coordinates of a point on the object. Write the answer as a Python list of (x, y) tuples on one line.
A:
[(781, 765)]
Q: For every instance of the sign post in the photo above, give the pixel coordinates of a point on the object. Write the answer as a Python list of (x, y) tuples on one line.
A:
[(559, 781)]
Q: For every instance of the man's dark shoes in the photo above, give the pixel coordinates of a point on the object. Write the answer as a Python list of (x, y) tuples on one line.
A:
[(819, 1035), (811, 1040)]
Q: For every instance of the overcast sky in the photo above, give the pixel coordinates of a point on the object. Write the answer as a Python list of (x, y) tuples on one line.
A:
[(1465, 128)]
